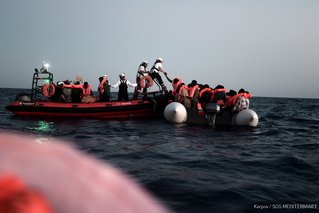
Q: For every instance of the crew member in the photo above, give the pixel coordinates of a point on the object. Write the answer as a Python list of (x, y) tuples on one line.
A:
[(154, 73), (123, 84), (140, 73)]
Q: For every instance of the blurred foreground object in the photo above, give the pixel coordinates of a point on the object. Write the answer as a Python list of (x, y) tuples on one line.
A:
[(69, 180)]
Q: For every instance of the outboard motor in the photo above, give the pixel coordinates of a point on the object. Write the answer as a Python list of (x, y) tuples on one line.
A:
[(211, 111)]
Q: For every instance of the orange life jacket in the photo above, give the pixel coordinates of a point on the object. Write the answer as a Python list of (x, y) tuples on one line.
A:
[(247, 95), (180, 92), (69, 86), (215, 91), (77, 86), (220, 90), (175, 86), (191, 91), (87, 91), (235, 97), (203, 91), (101, 86)]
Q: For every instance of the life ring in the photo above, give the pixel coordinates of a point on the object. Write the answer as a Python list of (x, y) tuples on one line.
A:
[(48, 90), (146, 81)]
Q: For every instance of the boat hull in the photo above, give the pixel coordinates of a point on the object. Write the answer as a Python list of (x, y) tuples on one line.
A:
[(106, 110)]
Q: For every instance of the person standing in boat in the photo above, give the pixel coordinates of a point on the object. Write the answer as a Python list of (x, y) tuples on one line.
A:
[(104, 89), (154, 73), (140, 73), (123, 84)]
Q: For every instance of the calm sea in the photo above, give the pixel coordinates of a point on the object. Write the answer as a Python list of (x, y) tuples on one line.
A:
[(203, 169)]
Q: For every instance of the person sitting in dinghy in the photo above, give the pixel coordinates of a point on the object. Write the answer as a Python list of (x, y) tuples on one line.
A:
[(219, 95), (241, 100)]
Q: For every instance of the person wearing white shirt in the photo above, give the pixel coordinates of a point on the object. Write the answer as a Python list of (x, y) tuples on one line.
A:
[(123, 84), (140, 73), (154, 73)]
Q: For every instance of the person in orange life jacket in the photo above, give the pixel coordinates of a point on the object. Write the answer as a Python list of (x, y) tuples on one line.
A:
[(154, 73), (182, 95), (87, 89), (219, 95), (77, 92), (140, 73), (123, 84), (104, 89), (229, 96), (176, 84), (193, 91), (248, 95), (241, 100), (58, 94), (205, 94)]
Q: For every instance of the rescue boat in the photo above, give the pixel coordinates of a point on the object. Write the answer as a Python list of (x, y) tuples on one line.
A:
[(42, 86), (107, 110)]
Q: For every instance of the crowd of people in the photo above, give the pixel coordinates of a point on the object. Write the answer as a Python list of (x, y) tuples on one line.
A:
[(194, 94)]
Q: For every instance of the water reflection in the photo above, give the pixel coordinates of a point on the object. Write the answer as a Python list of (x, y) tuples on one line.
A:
[(42, 127)]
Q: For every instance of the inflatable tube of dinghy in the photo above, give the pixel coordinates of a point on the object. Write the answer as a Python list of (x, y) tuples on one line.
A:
[(175, 112), (246, 117)]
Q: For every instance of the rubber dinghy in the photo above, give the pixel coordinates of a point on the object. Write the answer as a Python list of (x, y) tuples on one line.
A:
[(175, 112)]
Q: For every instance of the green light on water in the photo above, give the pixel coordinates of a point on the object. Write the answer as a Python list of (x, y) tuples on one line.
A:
[(43, 126)]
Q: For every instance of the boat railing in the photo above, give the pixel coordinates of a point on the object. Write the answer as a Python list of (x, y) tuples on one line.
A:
[(39, 79)]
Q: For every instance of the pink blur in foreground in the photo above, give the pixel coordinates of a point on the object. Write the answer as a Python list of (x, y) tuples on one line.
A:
[(71, 181)]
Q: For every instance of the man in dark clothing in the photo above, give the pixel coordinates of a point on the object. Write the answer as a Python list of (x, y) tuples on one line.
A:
[(123, 84)]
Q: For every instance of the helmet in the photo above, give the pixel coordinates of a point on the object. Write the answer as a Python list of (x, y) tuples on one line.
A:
[(145, 63), (159, 59), (122, 75)]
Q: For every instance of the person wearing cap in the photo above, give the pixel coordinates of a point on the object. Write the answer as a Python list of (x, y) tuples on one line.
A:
[(123, 84), (140, 73), (104, 89), (154, 73)]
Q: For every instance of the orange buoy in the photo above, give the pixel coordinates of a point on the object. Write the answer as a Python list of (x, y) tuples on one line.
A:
[(48, 90), (146, 81)]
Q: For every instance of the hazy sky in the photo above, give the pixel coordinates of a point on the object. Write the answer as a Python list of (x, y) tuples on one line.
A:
[(269, 47)]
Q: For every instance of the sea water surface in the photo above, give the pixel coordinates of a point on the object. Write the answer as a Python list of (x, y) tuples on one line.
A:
[(193, 168)]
